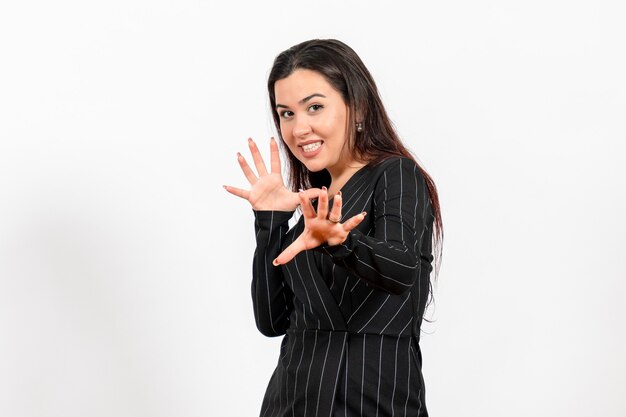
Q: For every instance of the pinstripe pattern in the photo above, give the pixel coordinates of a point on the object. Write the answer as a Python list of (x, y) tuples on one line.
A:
[(350, 314)]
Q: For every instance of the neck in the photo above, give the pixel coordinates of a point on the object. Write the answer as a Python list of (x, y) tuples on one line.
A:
[(340, 177)]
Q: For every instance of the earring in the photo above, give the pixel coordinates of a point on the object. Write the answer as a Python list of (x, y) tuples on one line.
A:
[(359, 126)]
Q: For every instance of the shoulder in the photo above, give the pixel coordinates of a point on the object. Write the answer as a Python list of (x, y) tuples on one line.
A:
[(396, 169), (399, 177)]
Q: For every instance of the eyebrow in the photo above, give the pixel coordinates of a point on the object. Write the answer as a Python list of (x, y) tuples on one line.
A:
[(304, 100)]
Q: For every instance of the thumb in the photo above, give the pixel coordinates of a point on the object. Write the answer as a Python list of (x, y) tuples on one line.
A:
[(290, 252)]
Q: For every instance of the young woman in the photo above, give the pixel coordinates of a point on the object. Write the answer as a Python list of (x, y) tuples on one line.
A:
[(347, 286)]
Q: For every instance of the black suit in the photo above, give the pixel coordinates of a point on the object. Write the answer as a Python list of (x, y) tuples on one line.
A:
[(350, 313)]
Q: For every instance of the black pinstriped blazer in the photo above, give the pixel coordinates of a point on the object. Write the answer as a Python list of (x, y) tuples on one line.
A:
[(350, 313)]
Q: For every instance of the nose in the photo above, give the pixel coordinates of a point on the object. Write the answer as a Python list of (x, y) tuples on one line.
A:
[(301, 127)]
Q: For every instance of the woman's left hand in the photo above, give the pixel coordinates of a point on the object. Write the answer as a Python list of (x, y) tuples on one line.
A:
[(319, 227)]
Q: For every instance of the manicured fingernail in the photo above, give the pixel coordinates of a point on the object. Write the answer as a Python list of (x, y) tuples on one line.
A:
[(300, 190), (324, 188), (339, 192), (364, 214), (275, 262), (224, 187)]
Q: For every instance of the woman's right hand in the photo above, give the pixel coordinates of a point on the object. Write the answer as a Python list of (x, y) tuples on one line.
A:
[(267, 190)]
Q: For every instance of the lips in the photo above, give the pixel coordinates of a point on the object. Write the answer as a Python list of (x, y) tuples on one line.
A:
[(311, 148)]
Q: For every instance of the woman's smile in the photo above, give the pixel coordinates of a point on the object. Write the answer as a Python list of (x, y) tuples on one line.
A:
[(311, 149)]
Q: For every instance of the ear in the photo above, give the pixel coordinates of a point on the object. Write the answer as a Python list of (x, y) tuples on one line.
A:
[(359, 114)]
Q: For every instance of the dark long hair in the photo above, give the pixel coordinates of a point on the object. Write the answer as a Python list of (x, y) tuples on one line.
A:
[(378, 140)]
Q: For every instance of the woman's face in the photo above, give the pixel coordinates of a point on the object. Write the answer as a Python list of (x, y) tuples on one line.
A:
[(313, 121)]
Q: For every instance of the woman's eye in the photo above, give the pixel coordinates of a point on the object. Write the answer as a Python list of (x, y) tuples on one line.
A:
[(315, 107), (286, 114)]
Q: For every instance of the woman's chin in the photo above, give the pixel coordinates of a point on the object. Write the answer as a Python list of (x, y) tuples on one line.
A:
[(313, 165)]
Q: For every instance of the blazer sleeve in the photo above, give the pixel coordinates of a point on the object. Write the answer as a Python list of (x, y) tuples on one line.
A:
[(389, 259), (271, 297)]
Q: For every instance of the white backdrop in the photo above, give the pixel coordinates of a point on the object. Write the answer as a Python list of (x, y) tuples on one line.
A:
[(125, 268)]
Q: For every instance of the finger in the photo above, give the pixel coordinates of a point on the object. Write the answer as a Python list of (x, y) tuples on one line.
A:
[(275, 157), (239, 192), (312, 193), (290, 252), (257, 158), (322, 204), (335, 212), (354, 221), (307, 208), (247, 171)]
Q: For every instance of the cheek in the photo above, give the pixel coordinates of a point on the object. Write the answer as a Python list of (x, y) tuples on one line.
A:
[(336, 121), (336, 126), (288, 140)]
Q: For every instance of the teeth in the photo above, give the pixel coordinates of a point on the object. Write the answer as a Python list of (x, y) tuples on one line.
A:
[(311, 146)]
